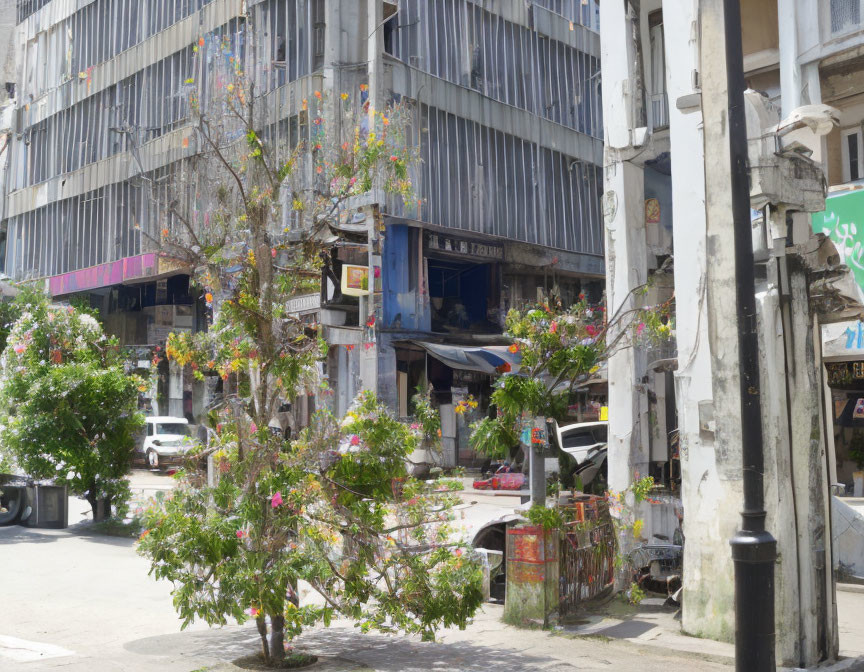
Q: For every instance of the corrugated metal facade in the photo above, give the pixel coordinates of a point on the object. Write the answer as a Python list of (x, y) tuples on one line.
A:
[(99, 134)]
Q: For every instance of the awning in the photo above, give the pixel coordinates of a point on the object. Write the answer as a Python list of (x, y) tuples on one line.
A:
[(489, 359)]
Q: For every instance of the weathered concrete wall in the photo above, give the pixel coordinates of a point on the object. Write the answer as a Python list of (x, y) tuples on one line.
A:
[(848, 536)]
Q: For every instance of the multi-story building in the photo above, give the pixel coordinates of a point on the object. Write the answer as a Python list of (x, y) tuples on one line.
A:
[(507, 103), (668, 209), (506, 98)]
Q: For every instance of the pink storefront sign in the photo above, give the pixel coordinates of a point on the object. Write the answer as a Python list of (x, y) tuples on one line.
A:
[(103, 275)]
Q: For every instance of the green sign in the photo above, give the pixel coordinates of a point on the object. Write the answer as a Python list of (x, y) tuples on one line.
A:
[(843, 222)]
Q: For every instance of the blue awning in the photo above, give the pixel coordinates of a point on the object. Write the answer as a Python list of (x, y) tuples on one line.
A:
[(486, 359)]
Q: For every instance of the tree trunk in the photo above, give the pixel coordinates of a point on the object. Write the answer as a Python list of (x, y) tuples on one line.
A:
[(100, 507), (277, 637), (261, 622)]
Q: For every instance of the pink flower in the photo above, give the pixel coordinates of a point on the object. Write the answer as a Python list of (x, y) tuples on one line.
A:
[(253, 612), (20, 348), (240, 534), (553, 327), (355, 440), (457, 552), (253, 428), (394, 158), (591, 330), (377, 272), (276, 500), (640, 328), (414, 425)]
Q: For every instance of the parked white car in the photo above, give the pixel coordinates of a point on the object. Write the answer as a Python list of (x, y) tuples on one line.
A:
[(166, 441), (583, 451)]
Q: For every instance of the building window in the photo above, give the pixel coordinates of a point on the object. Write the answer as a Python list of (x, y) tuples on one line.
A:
[(845, 16), (853, 155), (659, 106)]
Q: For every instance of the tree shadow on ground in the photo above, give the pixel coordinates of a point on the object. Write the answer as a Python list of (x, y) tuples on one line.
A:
[(379, 652), (17, 534), (85, 531), (399, 653), (219, 644)]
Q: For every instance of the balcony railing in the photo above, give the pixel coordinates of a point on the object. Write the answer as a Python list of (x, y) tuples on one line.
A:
[(845, 16)]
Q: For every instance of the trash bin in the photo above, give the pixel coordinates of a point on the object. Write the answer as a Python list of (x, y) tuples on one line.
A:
[(47, 506)]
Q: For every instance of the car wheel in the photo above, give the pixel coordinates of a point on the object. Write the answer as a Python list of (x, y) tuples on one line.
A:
[(152, 459)]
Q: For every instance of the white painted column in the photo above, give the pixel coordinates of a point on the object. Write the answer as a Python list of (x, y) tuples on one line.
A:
[(626, 252), (626, 268), (708, 587), (716, 491), (790, 71)]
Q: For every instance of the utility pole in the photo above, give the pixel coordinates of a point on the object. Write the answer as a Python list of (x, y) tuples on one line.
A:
[(754, 550)]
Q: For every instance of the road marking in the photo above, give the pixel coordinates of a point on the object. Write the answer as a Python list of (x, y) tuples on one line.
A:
[(22, 651)]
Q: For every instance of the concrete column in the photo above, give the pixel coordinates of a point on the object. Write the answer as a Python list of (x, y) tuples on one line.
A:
[(711, 606), (708, 590), (815, 588), (791, 83), (626, 251), (626, 269)]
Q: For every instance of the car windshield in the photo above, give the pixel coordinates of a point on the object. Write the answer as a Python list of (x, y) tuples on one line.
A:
[(581, 438), (172, 428)]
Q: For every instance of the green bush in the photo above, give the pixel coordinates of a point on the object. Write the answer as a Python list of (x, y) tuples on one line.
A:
[(71, 410)]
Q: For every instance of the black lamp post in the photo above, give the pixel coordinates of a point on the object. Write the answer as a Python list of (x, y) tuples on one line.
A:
[(754, 550)]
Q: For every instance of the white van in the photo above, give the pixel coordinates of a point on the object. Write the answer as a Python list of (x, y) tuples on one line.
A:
[(166, 441)]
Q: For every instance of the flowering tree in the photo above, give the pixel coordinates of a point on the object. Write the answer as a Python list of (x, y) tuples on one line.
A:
[(71, 409), (334, 508), (560, 348)]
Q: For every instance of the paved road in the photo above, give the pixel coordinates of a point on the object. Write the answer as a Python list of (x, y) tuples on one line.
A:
[(79, 602)]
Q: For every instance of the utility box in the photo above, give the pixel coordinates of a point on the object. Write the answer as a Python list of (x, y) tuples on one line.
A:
[(532, 575), (48, 507)]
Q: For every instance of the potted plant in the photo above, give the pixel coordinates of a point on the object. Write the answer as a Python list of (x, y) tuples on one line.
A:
[(856, 452)]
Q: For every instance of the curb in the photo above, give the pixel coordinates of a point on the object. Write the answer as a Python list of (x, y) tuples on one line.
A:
[(850, 587), (847, 665)]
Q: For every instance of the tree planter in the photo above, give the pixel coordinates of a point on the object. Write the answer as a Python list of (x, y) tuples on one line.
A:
[(858, 481)]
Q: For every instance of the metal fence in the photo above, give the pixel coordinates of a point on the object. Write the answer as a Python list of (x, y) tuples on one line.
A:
[(587, 566)]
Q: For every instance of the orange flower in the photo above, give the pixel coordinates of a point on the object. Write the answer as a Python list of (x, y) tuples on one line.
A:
[(164, 232), (514, 348), (208, 297), (318, 95), (344, 96), (305, 104), (364, 87)]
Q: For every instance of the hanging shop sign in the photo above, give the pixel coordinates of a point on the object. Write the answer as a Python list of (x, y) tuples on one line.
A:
[(303, 304), (844, 373), (436, 242), (355, 280), (103, 275)]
